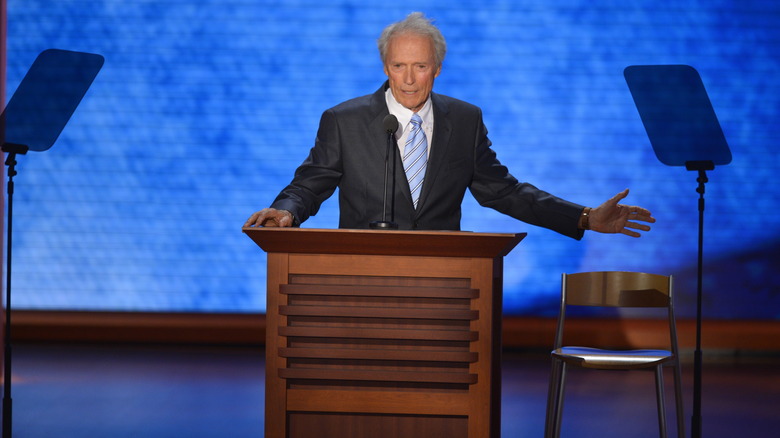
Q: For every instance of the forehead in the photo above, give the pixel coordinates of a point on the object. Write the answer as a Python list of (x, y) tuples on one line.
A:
[(410, 47)]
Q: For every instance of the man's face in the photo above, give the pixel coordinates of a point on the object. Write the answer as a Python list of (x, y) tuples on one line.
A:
[(411, 67)]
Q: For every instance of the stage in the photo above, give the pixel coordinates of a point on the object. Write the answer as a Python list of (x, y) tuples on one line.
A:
[(150, 391)]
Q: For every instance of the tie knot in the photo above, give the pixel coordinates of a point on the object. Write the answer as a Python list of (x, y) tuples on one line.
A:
[(416, 119)]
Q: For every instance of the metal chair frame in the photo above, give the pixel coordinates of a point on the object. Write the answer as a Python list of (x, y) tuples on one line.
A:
[(624, 290)]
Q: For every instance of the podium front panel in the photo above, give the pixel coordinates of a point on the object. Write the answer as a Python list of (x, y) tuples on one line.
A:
[(383, 345)]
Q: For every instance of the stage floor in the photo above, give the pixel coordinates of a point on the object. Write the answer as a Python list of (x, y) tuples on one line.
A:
[(88, 391)]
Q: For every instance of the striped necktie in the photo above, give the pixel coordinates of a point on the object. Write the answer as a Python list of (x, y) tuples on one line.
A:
[(415, 158)]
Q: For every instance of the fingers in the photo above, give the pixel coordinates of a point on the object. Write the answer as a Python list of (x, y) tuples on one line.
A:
[(639, 214), (253, 220), (636, 226), (270, 217), (261, 218), (618, 197), (626, 229), (613, 201), (630, 233)]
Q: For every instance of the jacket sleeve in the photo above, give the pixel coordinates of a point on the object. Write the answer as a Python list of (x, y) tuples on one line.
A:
[(493, 186), (317, 177)]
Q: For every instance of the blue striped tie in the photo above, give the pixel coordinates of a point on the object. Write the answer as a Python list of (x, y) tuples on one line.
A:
[(415, 158)]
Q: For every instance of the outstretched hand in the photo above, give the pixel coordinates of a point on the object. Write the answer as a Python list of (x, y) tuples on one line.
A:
[(611, 217)]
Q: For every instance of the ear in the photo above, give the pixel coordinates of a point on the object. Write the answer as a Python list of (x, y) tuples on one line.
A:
[(438, 71)]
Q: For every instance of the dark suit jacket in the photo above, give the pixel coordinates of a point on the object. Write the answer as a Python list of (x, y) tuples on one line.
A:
[(349, 153)]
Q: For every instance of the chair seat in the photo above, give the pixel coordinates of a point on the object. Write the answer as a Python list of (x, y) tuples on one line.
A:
[(614, 289), (612, 359)]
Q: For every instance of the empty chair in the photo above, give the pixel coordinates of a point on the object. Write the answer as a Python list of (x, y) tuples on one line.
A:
[(614, 289)]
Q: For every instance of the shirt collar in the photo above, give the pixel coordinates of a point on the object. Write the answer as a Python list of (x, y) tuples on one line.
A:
[(404, 115)]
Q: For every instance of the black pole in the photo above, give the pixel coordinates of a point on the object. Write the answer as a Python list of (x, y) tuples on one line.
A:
[(697, 359), (10, 161), (7, 402), (696, 419)]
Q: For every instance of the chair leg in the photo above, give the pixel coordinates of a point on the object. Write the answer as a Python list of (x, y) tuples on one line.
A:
[(552, 398), (678, 399), (559, 398), (659, 392)]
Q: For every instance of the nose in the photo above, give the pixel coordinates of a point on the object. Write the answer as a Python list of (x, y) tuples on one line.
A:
[(409, 76)]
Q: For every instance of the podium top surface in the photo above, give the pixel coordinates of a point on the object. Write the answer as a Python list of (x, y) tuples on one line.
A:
[(384, 242)]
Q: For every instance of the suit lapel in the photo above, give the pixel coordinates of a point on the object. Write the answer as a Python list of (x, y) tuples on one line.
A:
[(442, 130), (376, 116)]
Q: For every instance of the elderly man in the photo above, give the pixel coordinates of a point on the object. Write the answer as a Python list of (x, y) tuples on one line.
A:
[(443, 149)]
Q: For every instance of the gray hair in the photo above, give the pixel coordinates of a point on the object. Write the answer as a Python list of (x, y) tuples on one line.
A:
[(415, 23)]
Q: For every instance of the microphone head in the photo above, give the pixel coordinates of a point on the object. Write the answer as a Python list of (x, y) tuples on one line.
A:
[(390, 123)]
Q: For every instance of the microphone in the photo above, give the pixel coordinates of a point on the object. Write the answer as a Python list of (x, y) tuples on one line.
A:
[(390, 123)]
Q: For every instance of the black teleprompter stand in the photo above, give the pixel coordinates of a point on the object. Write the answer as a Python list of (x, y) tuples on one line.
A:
[(701, 167), (12, 150), (684, 131), (35, 116)]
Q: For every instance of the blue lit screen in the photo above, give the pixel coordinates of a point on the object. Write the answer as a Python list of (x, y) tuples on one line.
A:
[(204, 109)]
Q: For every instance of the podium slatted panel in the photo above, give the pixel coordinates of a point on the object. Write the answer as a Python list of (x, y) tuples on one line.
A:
[(378, 312), (373, 354), (367, 374), (348, 334), (383, 333), (377, 291)]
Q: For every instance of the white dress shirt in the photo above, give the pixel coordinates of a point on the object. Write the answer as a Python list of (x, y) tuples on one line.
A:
[(404, 116)]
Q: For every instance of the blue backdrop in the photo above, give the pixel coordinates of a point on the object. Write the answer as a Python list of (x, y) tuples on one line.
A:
[(204, 109)]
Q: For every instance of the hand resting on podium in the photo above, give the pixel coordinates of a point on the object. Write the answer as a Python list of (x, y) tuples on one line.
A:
[(270, 217)]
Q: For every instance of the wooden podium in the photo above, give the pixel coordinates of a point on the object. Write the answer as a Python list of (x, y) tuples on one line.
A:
[(381, 334)]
